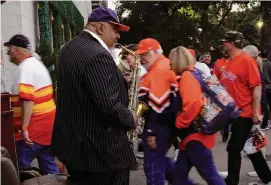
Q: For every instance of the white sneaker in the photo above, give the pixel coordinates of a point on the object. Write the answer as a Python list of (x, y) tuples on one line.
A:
[(252, 174), (176, 154), (140, 156), (223, 175), (264, 129), (257, 183)]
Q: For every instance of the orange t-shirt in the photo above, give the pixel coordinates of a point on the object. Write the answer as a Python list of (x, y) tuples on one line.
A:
[(192, 102), (239, 76), (34, 84)]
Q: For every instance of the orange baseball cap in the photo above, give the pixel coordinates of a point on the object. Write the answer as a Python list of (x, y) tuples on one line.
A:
[(193, 52), (146, 45)]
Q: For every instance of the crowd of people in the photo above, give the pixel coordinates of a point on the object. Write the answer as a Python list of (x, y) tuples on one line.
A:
[(87, 128)]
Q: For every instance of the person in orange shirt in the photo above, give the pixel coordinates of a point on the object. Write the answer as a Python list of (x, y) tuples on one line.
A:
[(33, 107), (195, 147), (242, 80), (220, 65), (158, 90)]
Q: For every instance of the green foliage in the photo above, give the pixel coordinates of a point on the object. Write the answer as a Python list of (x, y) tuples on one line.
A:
[(246, 23), (44, 44), (192, 24), (68, 11), (64, 12), (189, 12)]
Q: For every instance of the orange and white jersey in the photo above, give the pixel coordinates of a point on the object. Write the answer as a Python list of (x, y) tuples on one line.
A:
[(158, 88), (34, 84)]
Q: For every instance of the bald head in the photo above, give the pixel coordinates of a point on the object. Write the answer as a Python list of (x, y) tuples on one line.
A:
[(251, 50)]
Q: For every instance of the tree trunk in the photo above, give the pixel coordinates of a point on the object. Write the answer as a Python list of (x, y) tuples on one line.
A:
[(205, 26)]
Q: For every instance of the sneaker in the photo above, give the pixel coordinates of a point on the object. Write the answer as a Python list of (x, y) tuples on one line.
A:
[(140, 156), (257, 183), (176, 154), (252, 174), (223, 175), (265, 128), (269, 124), (136, 166), (225, 137)]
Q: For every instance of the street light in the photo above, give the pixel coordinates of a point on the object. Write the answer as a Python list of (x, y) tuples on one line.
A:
[(260, 24)]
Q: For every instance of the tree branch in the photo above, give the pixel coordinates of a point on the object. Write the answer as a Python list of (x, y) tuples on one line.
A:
[(223, 17)]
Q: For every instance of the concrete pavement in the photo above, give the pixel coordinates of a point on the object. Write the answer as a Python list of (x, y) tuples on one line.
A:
[(220, 158)]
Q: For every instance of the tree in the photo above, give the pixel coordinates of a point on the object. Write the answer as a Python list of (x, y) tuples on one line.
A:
[(192, 24), (246, 23)]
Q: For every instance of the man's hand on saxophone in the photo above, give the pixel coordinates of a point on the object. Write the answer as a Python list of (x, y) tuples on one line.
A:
[(127, 76), (136, 118)]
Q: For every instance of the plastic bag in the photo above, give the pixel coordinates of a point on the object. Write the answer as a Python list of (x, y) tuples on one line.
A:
[(255, 141)]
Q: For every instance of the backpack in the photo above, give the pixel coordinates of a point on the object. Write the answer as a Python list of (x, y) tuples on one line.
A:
[(219, 108)]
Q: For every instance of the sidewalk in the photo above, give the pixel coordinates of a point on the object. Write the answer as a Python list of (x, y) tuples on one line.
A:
[(220, 157)]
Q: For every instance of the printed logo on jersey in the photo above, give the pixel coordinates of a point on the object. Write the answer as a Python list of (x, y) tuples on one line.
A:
[(228, 75)]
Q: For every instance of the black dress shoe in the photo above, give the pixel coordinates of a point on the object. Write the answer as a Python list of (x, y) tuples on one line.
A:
[(135, 167), (225, 137)]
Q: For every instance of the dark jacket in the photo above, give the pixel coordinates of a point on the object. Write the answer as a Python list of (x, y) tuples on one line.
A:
[(92, 119), (267, 73)]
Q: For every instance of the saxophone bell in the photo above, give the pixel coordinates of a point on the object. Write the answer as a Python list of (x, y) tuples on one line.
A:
[(141, 109)]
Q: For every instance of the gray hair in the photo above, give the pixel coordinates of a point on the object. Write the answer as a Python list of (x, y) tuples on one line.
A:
[(254, 52), (251, 50), (160, 51), (34, 54)]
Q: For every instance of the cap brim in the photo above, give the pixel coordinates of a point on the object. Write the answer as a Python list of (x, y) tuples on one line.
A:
[(139, 52), (6, 44), (121, 27), (222, 40)]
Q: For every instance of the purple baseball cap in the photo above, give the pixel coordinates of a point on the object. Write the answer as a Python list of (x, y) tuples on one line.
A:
[(103, 14)]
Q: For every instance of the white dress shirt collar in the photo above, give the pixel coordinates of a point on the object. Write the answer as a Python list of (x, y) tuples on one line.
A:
[(98, 38)]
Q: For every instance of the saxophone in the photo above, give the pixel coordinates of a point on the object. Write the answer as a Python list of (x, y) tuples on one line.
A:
[(135, 105)]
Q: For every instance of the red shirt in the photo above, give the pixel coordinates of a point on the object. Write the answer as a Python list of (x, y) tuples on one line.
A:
[(220, 65), (239, 76)]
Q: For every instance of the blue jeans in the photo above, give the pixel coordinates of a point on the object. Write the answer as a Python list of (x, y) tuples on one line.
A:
[(26, 154), (157, 166), (196, 154)]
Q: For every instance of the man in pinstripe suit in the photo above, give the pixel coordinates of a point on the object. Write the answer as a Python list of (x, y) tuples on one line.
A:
[(92, 117)]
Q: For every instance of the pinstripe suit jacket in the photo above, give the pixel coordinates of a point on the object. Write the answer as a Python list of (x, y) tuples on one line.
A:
[(92, 118)]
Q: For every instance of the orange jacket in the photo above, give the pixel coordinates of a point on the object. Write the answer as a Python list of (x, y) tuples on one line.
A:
[(157, 89)]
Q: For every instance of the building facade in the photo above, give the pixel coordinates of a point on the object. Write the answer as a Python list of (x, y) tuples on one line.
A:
[(47, 24)]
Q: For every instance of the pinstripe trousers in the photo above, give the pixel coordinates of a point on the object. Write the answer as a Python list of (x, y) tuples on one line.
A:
[(121, 177)]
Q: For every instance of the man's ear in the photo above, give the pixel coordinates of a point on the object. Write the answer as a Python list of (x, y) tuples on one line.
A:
[(100, 28), (16, 49)]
